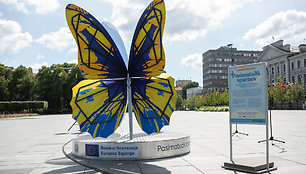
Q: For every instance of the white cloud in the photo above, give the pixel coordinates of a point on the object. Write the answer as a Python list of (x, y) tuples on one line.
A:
[(73, 50), (12, 39), (19, 5), (186, 20), (288, 25), (41, 7), (58, 40), (73, 61), (37, 66), (38, 57), (194, 61)]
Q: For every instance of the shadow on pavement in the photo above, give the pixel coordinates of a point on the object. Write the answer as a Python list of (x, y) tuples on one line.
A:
[(104, 167)]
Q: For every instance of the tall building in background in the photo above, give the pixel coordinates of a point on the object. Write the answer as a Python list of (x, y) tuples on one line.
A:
[(285, 62), (216, 63)]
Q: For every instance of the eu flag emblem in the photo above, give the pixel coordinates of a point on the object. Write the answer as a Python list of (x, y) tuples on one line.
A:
[(92, 150)]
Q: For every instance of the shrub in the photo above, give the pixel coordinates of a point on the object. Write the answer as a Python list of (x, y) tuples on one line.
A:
[(23, 106), (214, 108)]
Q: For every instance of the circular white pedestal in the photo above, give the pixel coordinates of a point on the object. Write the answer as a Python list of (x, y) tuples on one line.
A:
[(118, 146)]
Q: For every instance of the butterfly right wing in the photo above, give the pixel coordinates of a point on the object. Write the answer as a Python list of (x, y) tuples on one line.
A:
[(98, 55), (153, 101), (147, 57)]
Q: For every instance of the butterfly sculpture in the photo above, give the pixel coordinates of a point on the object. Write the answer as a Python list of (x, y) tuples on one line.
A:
[(99, 102)]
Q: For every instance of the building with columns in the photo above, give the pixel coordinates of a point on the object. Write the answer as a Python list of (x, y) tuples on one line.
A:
[(285, 62)]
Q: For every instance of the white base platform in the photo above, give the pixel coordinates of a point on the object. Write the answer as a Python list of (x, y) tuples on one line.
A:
[(118, 146)]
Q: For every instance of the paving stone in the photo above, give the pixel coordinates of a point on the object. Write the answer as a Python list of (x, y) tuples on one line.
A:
[(34, 145)]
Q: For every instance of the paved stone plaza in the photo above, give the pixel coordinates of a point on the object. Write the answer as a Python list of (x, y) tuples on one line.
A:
[(34, 145)]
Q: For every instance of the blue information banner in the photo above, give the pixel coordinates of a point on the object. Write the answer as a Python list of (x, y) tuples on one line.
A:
[(248, 94)]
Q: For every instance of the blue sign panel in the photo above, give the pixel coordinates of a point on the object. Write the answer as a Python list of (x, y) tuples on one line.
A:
[(248, 94), (92, 150), (119, 151)]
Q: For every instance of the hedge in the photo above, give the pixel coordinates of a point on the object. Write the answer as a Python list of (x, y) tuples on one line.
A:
[(214, 108), (23, 106)]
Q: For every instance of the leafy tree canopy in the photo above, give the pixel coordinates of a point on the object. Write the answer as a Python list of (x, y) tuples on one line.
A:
[(187, 86)]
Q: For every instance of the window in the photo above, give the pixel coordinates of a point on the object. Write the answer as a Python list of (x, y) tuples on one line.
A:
[(293, 80), (298, 64), (272, 70), (285, 81), (304, 62), (278, 70), (284, 68), (300, 79), (292, 65)]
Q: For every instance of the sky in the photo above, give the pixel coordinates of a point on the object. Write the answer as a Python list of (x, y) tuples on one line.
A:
[(34, 33)]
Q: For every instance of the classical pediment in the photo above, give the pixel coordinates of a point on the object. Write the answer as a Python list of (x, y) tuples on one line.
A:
[(270, 52)]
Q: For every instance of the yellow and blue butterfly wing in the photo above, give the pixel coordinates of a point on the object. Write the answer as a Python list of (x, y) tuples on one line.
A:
[(153, 101), (98, 55), (147, 57), (98, 106)]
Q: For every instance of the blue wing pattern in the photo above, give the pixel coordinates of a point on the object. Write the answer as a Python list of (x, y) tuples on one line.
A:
[(153, 101), (147, 57), (99, 57), (98, 106)]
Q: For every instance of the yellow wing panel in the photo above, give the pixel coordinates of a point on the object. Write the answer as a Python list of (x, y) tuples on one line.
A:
[(147, 57), (153, 101), (98, 106), (98, 55)]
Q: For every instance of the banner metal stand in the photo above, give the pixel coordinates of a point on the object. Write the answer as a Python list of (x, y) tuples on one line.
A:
[(237, 132), (254, 76)]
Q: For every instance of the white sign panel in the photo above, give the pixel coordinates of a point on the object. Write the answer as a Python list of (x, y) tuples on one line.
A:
[(112, 150), (248, 94)]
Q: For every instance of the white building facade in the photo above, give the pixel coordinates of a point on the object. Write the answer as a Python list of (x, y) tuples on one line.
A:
[(285, 62), (190, 92)]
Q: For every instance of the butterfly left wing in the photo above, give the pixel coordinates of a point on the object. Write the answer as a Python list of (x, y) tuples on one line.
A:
[(147, 57), (100, 47), (153, 101), (98, 106)]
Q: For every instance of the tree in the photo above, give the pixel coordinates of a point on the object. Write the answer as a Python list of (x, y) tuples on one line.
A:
[(55, 85), (189, 103), (74, 76), (187, 86), (199, 101), (296, 93), (22, 84), (50, 86), (225, 98), (5, 78), (178, 102), (277, 92)]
